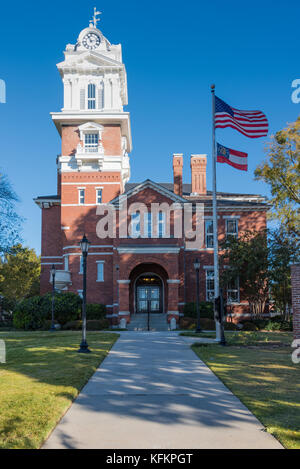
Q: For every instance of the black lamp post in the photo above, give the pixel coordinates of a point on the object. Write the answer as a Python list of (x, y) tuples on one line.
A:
[(197, 269), (52, 272), (84, 245)]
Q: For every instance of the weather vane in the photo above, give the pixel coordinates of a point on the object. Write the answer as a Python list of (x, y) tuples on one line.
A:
[(95, 19)]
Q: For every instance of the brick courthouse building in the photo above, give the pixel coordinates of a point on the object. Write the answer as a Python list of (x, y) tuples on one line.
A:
[(147, 268)]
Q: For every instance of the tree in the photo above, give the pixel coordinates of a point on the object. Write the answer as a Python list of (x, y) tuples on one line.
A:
[(282, 171), (246, 258), (10, 221), (284, 249), (19, 273)]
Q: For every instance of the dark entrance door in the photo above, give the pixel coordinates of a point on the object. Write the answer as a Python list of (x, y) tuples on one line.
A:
[(149, 294)]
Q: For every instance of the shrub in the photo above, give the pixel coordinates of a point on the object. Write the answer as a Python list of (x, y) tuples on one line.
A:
[(28, 314), (249, 326), (67, 307), (95, 311), (91, 325), (31, 313), (206, 310), (230, 326), (188, 323), (279, 325)]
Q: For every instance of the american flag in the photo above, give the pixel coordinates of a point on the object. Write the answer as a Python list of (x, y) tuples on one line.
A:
[(252, 124)]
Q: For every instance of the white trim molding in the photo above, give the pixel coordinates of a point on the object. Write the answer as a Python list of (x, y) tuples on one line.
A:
[(173, 281), (148, 250), (125, 282), (175, 313), (124, 313)]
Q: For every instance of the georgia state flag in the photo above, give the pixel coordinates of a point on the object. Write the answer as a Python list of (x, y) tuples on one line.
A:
[(237, 159)]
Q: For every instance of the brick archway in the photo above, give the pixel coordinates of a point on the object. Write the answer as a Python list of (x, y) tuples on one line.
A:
[(146, 268)]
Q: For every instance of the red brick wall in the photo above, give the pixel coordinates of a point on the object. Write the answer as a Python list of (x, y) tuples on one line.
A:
[(295, 273), (111, 139)]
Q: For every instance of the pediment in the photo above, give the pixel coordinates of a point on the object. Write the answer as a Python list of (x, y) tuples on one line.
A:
[(89, 60), (151, 192)]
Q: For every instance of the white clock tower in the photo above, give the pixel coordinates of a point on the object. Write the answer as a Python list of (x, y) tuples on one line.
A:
[(95, 130)]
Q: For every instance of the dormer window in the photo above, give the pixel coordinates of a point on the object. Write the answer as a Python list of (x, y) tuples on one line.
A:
[(91, 102), (91, 142)]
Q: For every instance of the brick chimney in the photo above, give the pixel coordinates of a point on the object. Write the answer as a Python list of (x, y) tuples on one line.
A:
[(177, 172), (198, 167)]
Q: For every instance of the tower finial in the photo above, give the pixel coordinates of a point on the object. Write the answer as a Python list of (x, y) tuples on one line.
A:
[(95, 20)]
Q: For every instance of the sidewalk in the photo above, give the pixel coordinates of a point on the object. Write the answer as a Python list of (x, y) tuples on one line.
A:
[(153, 392)]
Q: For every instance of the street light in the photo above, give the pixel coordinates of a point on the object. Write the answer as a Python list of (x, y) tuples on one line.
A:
[(197, 269), (52, 272), (84, 245)]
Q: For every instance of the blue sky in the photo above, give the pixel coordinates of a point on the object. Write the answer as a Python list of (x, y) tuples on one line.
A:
[(173, 51)]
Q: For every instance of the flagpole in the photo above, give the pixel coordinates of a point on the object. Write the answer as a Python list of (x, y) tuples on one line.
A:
[(215, 214)]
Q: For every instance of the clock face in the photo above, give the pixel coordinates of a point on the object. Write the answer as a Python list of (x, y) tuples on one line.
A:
[(91, 41)]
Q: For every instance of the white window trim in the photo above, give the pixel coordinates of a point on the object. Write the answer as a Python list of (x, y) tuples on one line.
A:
[(66, 263), (98, 189), (208, 234), (80, 264), (236, 235), (238, 294), (101, 263), (81, 189), (206, 278)]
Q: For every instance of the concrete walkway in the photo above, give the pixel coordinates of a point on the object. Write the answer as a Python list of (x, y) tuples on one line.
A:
[(153, 392)]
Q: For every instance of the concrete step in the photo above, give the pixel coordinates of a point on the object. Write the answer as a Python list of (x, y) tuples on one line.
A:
[(139, 322)]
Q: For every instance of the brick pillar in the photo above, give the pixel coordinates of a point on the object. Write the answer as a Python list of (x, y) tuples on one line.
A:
[(177, 173), (198, 168), (295, 274), (124, 286), (173, 296)]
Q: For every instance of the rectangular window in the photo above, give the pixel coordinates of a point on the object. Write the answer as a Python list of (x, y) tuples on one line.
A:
[(209, 234), (210, 285), (100, 271), (232, 227), (91, 142), (161, 224), (91, 96), (135, 225), (148, 224), (81, 265), (99, 196), (233, 291), (66, 263), (81, 196)]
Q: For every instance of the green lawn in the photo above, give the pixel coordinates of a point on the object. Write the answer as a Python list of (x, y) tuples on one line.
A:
[(42, 376), (257, 368)]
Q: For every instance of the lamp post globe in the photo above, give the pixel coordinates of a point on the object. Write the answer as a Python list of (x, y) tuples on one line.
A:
[(84, 246), (197, 269)]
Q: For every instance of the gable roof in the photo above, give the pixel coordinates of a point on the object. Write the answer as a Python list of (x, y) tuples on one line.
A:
[(148, 184)]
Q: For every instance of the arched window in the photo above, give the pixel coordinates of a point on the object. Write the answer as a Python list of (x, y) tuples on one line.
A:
[(91, 96)]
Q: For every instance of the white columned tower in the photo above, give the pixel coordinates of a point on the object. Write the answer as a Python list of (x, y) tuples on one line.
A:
[(94, 128)]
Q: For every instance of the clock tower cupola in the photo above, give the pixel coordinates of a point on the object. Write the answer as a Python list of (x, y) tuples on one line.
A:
[(94, 128)]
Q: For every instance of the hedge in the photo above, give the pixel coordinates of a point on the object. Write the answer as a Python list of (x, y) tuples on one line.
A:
[(206, 310), (91, 325), (95, 311)]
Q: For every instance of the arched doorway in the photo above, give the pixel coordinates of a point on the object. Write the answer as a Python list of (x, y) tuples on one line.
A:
[(149, 294), (148, 283)]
